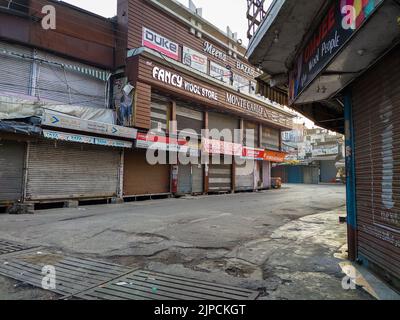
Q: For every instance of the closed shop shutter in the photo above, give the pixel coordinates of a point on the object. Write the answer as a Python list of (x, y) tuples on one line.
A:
[(295, 174), (69, 82), (188, 118), (245, 176), (220, 177), (11, 170), (159, 114), (222, 122), (16, 72), (58, 170), (311, 175), (258, 183), (141, 178), (270, 138), (328, 171), (250, 134), (376, 116), (197, 178), (266, 171), (190, 179), (185, 179)]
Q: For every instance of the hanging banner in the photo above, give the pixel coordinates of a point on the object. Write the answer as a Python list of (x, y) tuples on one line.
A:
[(263, 155), (221, 147)]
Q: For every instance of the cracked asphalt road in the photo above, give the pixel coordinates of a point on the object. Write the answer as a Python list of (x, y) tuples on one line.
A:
[(285, 243)]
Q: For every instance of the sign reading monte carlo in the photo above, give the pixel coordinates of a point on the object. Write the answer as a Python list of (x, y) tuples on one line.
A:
[(341, 21), (178, 81)]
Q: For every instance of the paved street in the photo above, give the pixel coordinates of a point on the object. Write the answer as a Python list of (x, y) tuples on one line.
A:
[(285, 243)]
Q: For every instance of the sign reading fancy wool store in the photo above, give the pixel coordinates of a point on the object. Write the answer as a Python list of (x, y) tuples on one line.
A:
[(178, 81)]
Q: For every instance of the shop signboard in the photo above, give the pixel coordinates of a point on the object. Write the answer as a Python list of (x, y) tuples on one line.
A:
[(59, 120), (263, 154), (340, 22), (72, 137), (220, 73), (221, 147), (160, 43), (194, 59), (162, 143)]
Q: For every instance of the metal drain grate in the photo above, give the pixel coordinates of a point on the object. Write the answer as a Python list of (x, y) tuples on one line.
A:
[(73, 275), (7, 247), (147, 285)]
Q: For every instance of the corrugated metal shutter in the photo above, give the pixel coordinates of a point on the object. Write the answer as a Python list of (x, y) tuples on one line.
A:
[(185, 179), (250, 134), (245, 175), (270, 138), (69, 82), (267, 174), (258, 182), (58, 170), (295, 174), (159, 114), (197, 178), (221, 122), (376, 116), (141, 178), (311, 175), (11, 170), (16, 72), (188, 118), (220, 177), (328, 171)]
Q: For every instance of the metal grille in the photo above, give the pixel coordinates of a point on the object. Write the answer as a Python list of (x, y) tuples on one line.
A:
[(147, 285), (73, 275), (7, 247), (376, 113)]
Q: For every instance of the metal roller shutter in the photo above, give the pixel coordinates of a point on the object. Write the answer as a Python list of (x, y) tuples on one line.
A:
[(220, 177), (376, 120), (16, 72), (266, 171), (185, 179), (270, 138), (245, 176), (328, 171), (258, 183), (59, 170), (141, 178), (159, 114), (197, 179), (70, 82), (11, 170), (221, 122), (188, 118), (250, 134)]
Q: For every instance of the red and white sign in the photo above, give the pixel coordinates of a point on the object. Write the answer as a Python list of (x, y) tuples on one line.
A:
[(162, 143), (264, 155), (194, 59), (161, 44), (222, 147)]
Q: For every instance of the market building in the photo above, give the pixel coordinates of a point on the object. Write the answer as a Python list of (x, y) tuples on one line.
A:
[(81, 108), (187, 71), (343, 74), (59, 140)]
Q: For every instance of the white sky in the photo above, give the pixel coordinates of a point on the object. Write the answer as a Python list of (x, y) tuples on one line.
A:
[(219, 12)]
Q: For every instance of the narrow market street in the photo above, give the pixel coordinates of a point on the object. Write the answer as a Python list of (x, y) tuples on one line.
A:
[(285, 244)]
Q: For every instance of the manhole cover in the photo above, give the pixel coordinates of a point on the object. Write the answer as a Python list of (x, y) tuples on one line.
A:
[(147, 285), (72, 275)]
